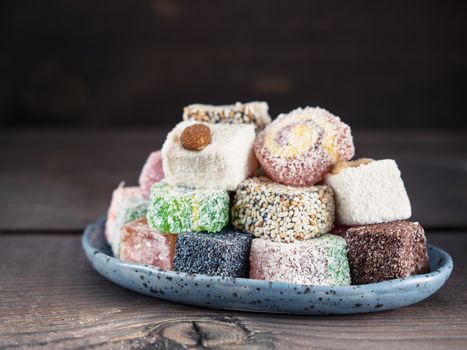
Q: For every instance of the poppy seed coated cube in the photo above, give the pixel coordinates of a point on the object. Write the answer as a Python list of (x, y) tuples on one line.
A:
[(223, 254)]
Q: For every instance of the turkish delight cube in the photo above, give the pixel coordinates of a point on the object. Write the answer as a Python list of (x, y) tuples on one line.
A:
[(369, 193), (224, 254), (255, 113), (128, 204), (386, 251), (141, 244), (222, 164), (151, 173), (181, 209), (318, 261), (282, 213)]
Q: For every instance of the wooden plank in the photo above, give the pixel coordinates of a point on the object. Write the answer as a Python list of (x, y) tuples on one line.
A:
[(51, 297), (121, 62), (63, 179)]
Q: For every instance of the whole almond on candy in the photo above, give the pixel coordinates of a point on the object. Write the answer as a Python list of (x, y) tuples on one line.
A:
[(195, 137)]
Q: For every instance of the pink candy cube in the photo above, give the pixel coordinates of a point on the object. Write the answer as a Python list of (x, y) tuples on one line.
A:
[(142, 245), (317, 261), (125, 200), (152, 172)]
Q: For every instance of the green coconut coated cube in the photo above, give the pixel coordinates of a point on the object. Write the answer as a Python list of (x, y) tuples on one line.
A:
[(180, 209)]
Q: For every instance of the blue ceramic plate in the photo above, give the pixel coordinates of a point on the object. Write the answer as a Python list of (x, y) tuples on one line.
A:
[(263, 296)]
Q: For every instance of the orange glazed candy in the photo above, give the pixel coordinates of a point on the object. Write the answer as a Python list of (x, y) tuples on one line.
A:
[(141, 244)]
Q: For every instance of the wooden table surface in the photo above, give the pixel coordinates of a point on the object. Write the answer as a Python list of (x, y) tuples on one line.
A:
[(54, 182)]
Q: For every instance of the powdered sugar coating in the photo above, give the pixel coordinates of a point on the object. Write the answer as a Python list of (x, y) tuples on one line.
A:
[(282, 213), (140, 244), (128, 203), (300, 147), (370, 194), (221, 165), (319, 261), (151, 173), (182, 209)]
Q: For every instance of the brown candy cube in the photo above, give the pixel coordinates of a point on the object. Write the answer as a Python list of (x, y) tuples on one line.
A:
[(386, 251)]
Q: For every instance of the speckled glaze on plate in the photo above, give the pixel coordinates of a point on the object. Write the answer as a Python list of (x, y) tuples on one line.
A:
[(264, 296)]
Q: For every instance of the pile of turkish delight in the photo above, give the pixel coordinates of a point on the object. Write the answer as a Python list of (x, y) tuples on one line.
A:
[(233, 194)]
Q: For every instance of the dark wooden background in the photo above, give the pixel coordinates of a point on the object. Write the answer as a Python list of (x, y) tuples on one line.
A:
[(75, 75), (123, 62)]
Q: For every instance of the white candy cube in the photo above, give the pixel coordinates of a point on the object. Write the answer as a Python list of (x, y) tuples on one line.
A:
[(369, 194), (223, 164)]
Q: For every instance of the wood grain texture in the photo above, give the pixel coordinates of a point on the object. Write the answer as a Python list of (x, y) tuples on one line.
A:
[(51, 298), (62, 180), (122, 62)]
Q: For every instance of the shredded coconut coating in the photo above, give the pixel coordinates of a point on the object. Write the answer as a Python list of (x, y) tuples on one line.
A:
[(386, 251), (140, 244), (181, 209), (282, 213), (319, 261), (221, 165), (151, 173), (128, 203), (224, 254), (300, 147), (255, 113), (370, 194)]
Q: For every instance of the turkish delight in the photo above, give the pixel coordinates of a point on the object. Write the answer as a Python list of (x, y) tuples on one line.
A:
[(386, 251), (128, 204), (141, 244), (255, 113), (181, 209), (300, 147), (152, 172), (282, 213), (209, 156), (223, 254), (318, 261), (369, 193)]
